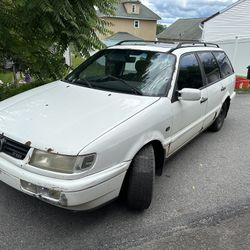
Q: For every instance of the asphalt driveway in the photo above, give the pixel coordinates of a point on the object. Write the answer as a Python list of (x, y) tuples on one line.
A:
[(204, 186)]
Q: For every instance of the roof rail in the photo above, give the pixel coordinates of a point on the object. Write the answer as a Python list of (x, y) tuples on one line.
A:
[(188, 43), (142, 41), (179, 44)]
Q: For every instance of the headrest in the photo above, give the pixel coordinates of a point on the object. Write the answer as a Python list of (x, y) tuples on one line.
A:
[(141, 66)]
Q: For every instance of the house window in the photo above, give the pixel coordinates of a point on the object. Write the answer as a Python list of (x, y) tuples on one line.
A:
[(133, 8), (137, 24)]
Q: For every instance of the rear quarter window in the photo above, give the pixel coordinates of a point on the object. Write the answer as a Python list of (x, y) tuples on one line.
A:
[(224, 64)]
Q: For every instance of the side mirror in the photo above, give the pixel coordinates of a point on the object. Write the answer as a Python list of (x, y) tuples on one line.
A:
[(189, 94)]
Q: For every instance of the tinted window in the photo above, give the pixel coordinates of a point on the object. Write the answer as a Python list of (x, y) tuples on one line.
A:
[(211, 67), (224, 63), (190, 73)]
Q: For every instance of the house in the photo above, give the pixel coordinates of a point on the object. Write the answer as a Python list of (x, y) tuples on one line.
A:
[(134, 18), (234, 21), (230, 28), (120, 36), (183, 30)]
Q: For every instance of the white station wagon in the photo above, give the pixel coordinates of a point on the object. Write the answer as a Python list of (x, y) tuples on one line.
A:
[(110, 124)]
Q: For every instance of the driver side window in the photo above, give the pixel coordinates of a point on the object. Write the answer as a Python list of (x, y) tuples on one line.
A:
[(189, 73)]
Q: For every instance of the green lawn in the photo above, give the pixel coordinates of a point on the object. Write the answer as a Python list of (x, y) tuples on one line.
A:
[(243, 90), (6, 76)]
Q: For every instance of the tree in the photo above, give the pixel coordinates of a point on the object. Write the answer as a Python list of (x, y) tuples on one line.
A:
[(34, 34), (160, 28)]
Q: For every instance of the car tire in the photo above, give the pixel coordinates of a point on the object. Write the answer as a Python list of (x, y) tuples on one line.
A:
[(141, 178), (219, 121)]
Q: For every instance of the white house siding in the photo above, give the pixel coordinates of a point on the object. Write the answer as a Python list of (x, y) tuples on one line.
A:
[(231, 30), (67, 56), (232, 22), (238, 51)]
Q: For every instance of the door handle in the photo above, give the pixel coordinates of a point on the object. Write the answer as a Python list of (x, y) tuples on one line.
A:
[(223, 89), (203, 99)]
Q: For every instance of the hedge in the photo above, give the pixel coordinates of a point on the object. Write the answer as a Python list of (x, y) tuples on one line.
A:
[(8, 91)]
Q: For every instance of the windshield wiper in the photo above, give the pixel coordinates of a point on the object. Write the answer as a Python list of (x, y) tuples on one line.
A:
[(135, 90), (84, 81)]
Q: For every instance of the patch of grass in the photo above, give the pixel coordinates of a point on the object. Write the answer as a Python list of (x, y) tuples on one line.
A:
[(6, 92), (6, 76), (243, 90)]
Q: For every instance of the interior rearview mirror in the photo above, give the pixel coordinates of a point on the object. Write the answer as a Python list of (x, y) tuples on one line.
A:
[(189, 94)]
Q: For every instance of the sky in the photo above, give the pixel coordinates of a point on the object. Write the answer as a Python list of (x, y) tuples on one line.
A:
[(171, 10)]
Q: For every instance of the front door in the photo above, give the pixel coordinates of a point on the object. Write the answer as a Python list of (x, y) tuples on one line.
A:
[(187, 115)]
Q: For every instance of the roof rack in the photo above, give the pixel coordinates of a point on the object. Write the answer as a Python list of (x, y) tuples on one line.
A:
[(188, 43), (142, 41), (182, 44)]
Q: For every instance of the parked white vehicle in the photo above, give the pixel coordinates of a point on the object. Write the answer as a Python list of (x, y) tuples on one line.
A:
[(76, 143)]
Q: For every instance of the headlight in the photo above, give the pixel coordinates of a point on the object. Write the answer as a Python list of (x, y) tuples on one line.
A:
[(62, 163)]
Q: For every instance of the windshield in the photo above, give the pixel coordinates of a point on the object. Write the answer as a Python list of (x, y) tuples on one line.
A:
[(126, 71)]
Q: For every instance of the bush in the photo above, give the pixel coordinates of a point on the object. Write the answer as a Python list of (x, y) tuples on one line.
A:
[(9, 91), (6, 76)]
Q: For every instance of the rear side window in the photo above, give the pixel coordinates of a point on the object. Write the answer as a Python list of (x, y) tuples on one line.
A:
[(190, 73), (224, 63), (210, 66)]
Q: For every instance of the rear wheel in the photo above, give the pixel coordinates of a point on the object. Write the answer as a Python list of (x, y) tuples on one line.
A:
[(219, 121), (141, 179)]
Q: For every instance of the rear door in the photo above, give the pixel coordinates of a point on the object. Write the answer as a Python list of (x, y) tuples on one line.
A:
[(213, 84), (227, 73), (187, 115)]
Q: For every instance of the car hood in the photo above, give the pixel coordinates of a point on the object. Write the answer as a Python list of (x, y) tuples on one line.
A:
[(65, 118)]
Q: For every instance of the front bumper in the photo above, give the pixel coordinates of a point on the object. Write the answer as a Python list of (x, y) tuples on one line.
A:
[(80, 194)]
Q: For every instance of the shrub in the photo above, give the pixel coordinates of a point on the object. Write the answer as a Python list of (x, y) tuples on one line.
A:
[(9, 91)]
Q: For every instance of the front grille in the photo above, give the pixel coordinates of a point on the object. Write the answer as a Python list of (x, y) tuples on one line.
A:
[(14, 148)]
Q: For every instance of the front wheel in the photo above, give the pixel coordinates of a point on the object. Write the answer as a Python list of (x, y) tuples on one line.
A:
[(141, 179), (219, 121)]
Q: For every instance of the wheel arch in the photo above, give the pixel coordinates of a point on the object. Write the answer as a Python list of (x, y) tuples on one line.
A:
[(160, 154), (228, 102)]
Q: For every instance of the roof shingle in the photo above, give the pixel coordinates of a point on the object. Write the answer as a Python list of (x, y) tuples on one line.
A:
[(145, 13), (183, 29), (120, 36)]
